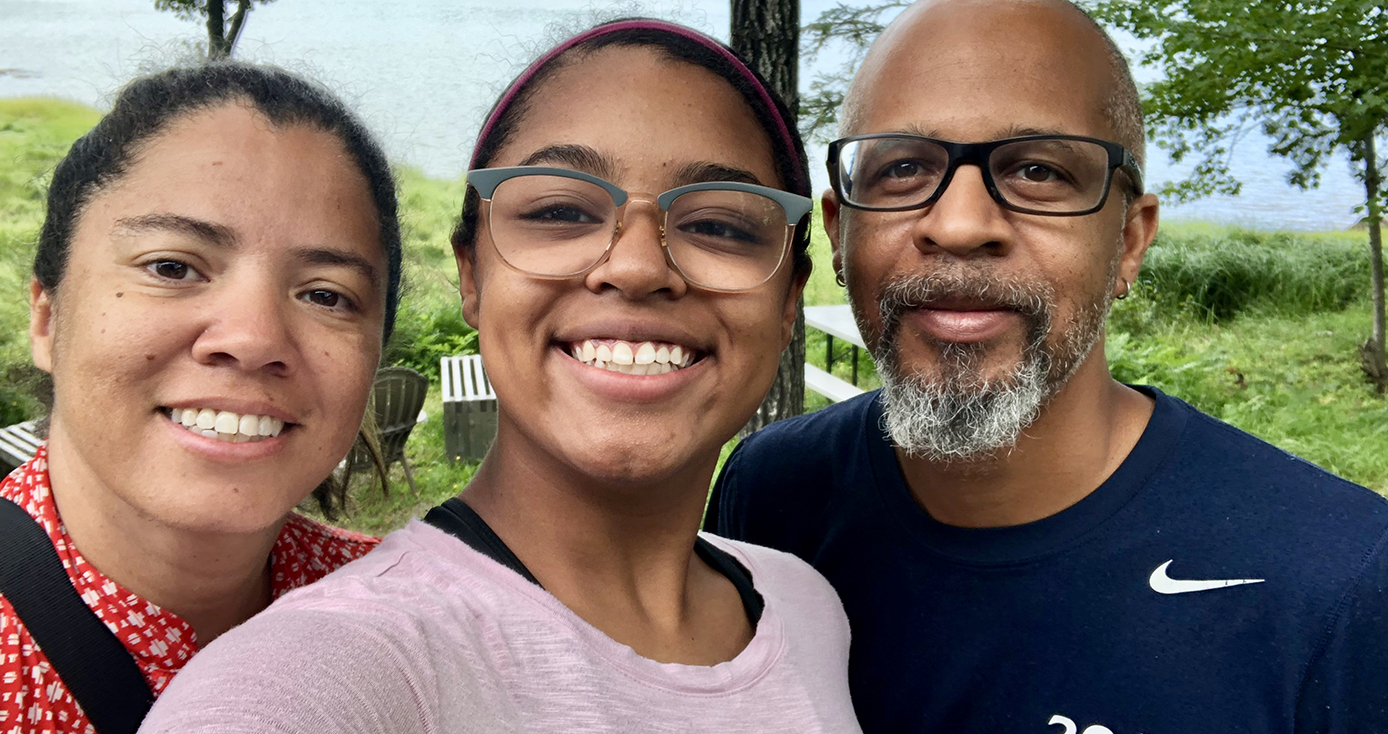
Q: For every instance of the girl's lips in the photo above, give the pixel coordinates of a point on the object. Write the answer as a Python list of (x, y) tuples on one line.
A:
[(963, 326), (624, 387)]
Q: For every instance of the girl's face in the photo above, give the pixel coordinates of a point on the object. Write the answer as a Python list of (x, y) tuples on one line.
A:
[(648, 125), (234, 276)]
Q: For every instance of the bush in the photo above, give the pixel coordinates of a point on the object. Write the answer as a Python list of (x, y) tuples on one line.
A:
[(1219, 276)]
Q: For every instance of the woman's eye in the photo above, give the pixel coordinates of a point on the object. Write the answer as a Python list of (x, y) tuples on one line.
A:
[(326, 298), (171, 270)]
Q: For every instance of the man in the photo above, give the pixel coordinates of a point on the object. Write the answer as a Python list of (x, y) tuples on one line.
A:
[(1023, 544)]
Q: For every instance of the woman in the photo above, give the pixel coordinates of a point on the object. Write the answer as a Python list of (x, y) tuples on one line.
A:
[(217, 271), (629, 333)]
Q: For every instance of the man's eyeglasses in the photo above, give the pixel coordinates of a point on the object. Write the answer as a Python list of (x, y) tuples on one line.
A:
[(1053, 175), (559, 223)]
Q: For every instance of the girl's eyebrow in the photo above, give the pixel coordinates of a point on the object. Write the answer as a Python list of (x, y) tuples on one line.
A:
[(578, 157), (209, 232), (705, 171)]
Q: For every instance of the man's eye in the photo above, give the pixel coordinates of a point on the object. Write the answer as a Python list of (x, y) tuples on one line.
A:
[(1037, 173), (902, 169)]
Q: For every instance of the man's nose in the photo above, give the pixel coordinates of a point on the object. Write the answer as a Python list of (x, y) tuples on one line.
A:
[(965, 221), (249, 327)]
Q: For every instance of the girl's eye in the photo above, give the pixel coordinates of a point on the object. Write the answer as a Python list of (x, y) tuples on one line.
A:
[(171, 270)]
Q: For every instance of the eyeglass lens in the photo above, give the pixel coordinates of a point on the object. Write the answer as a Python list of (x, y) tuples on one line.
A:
[(558, 226), (1046, 175)]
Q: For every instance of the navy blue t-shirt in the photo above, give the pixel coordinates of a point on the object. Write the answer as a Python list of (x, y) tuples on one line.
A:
[(1057, 626)]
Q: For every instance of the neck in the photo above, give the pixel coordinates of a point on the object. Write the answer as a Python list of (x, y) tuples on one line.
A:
[(1081, 437), (213, 581), (619, 555)]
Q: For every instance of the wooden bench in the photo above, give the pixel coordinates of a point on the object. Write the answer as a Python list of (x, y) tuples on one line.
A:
[(18, 444), (469, 407), (834, 321)]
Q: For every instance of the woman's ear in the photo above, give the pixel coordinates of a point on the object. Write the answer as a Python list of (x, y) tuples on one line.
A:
[(41, 322), (467, 286)]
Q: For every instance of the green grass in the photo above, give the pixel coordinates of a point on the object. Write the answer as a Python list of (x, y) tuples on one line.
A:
[(1256, 328)]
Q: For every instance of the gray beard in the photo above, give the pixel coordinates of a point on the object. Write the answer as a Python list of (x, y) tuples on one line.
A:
[(959, 415)]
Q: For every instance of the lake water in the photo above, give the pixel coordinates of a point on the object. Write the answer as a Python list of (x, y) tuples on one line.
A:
[(424, 72)]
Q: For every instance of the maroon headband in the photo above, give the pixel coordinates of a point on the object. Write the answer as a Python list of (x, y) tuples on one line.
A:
[(646, 25)]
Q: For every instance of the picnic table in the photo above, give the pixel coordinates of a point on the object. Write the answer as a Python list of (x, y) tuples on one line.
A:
[(835, 322)]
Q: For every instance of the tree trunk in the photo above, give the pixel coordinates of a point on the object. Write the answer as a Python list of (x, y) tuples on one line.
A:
[(238, 21), (767, 34), (217, 48), (1371, 352)]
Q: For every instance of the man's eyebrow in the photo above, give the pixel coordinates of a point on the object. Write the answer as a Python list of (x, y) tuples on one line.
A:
[(703, 172), (579, 157), (338, 258), (210, 232), (1013, 131)]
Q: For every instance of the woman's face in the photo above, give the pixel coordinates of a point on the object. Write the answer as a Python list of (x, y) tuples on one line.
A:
[(647, 124), (233, 276)]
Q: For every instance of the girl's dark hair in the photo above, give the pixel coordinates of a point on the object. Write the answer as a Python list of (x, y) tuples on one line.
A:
[(149, 105), (787, 147)]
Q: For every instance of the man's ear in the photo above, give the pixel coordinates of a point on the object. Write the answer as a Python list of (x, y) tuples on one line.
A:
[(792, 308), (41, 323), (467, 286), (1139, 229), (829, 206)]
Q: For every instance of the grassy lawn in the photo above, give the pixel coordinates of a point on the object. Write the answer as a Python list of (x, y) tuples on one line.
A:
[(1258, 329)]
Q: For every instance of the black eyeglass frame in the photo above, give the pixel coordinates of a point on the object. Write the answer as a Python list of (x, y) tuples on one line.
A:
[(977, 154), (485, 182)]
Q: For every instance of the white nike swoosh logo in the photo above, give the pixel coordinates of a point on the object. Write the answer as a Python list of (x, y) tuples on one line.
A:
[(1163, 584)]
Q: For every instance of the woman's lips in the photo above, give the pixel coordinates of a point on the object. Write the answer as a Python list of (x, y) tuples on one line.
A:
[(964, 325)]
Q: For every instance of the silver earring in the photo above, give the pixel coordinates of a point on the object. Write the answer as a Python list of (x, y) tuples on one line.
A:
[(1127, 288)]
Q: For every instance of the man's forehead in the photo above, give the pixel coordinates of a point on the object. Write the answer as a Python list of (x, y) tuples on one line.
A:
[(981, 68)]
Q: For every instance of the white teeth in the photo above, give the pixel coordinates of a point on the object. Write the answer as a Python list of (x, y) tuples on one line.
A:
[(226, 425), (207, 418), (643, 358)]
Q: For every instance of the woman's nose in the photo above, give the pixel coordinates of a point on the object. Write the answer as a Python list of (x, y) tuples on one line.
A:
[(248, 327)]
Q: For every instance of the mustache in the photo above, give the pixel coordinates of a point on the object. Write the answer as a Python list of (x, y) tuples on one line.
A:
[(1032, 300)]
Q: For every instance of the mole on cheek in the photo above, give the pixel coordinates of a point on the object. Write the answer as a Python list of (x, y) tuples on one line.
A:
[(149, 357), (120, 295)]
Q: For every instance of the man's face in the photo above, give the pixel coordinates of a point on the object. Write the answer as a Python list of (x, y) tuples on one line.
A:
[(977, 315)]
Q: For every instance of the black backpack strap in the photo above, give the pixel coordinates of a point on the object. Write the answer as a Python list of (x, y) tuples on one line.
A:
[(98, 671)]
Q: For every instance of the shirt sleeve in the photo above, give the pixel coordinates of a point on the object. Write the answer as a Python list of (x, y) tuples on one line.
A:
[(301, 672), (1346, 686)]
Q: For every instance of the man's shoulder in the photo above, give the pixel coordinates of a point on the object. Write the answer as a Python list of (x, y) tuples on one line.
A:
[(815, 435)]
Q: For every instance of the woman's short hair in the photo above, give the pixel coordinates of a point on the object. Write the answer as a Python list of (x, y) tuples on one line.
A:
[(670, 41), (147, 106)]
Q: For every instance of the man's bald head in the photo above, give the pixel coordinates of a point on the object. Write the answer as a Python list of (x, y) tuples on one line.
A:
[(1078, 33)]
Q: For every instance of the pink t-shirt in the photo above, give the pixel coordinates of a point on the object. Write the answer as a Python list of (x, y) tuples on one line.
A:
[(425, 634)]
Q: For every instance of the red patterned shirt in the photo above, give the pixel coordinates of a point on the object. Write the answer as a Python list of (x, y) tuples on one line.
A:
[(33, 700)]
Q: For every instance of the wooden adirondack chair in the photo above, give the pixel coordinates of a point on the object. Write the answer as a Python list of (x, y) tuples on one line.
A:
[(398, 395)]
